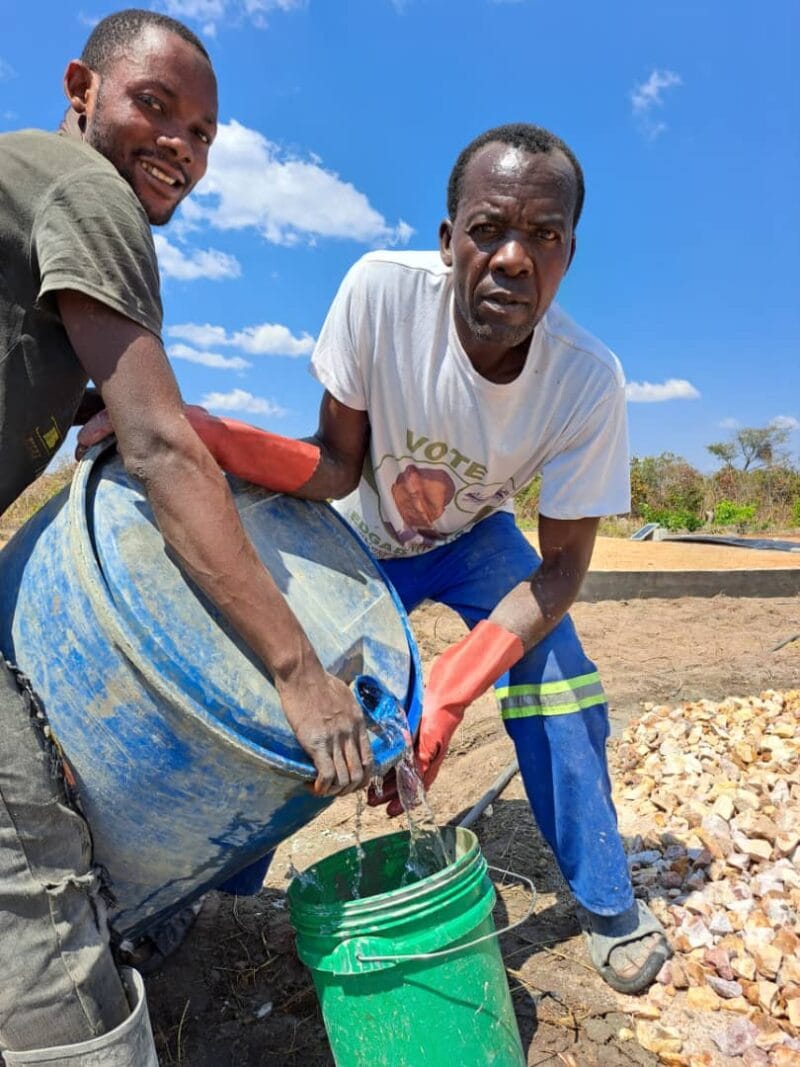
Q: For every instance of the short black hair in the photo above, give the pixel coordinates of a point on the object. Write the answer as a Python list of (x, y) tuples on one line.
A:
[(119, 30), (532, 139)]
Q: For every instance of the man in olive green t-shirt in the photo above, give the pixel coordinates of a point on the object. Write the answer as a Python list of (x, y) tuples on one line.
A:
[(69, 221), (79, 300)]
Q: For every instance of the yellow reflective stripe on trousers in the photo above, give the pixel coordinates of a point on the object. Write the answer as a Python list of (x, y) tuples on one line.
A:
[(563, 697)]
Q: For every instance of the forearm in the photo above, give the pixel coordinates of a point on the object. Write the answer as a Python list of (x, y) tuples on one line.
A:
[(537, 605), (334, 477), (323, 467), (314, 469), (342, 438), (194, 509), (534, 608)]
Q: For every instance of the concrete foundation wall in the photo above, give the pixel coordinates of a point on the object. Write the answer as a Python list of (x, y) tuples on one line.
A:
[(633, 585)]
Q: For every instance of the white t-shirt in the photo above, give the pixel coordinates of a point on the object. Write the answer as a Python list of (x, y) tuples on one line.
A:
[(447, 446)]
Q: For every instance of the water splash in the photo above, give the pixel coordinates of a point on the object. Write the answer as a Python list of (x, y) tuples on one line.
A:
[(361, 803), (305, 878), (427, 853)]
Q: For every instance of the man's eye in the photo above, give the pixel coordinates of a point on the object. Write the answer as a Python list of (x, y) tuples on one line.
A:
[(483, 231), (548, 235), (203, 136), (151, 101)]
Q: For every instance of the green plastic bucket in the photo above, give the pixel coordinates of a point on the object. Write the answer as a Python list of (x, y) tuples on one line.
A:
[(407, 974)]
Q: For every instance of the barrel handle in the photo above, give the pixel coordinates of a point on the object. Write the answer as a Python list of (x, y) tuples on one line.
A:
[(469, 944)]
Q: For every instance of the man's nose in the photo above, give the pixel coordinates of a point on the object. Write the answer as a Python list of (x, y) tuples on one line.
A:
[(178, 144), (513, 258)]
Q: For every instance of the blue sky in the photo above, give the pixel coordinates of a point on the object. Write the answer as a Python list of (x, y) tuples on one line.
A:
[(341, 120)]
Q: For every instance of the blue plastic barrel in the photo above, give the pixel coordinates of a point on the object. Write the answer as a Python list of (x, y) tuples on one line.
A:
[(185, 764)]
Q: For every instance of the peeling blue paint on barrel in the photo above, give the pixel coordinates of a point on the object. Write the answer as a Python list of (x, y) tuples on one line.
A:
[(186, 766)]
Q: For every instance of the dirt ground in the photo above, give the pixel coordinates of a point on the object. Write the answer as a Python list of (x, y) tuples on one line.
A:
[(620, 554), (235, 994)]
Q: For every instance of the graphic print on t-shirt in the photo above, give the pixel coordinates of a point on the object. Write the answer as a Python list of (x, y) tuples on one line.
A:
[(432, 477)]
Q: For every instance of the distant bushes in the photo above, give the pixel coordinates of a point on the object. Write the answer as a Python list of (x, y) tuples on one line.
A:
[(668, 490), (726, 513), (526, 503), (675, 519)]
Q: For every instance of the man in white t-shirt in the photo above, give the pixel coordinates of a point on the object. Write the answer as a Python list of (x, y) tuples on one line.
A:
[(451, 380)]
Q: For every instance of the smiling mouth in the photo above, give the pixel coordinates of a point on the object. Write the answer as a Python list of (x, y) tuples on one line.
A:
[(160, 175)]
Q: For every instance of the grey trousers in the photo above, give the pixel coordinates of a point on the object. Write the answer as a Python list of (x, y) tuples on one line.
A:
[(59, 984)]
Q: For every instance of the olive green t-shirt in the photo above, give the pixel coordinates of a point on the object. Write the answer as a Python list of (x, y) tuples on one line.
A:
[(68, 220)]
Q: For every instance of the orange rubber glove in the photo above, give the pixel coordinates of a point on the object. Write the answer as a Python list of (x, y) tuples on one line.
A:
[(459, 676), (279, 463), (263, 458)]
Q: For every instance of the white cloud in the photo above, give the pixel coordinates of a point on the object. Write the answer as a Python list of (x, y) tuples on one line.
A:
[(207, 359), (233, 12), (88, 20), (653, 393), (205, 335), (6, 70), (730, 424), (785, 422), (252, 182), (266, 339), (254, 6), (272, 339), (241, 400), (649, 95), (195, 263), (202, 10)]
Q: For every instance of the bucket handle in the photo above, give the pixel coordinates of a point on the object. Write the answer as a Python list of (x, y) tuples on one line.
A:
[(397, 957)]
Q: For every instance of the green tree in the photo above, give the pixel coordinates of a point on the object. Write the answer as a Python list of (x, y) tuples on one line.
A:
[(754, 446), (724, 451)]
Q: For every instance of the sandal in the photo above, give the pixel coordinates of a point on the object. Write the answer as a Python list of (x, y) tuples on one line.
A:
[(633, 925)]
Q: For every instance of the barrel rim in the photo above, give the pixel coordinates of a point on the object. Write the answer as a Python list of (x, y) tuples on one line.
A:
[(335, 936), (413, 702)]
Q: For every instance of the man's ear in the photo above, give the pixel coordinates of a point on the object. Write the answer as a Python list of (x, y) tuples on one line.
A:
[(81, 85), (446, 242)]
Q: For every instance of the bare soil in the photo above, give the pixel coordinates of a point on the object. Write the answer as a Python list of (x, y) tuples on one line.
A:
[(235, 994), (619, 554)]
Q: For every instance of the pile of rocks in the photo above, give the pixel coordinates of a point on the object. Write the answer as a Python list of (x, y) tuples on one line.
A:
[(708, 796)]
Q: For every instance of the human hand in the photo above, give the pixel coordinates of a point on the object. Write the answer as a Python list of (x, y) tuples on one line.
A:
[(458, 677), (436, 729), (331, 728), (97, 429)]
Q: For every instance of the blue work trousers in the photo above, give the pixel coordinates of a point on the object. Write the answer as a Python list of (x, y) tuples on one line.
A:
[(551, 701)]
